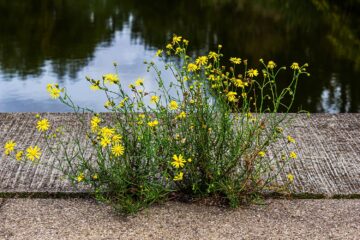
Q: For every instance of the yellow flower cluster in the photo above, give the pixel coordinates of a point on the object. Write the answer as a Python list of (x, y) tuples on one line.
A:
[(108, 137), (32, 152), (179, 162)]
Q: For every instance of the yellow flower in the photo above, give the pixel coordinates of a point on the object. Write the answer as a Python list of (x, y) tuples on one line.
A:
[(186, 42), (118, 150), (178, 161), (235, 60), (122, 102), (264, 73), (173, 105), (95, 176), (201, 61), (290, 177), (179, 176), (192, 67), (271, 64), (111, 78), (19, 155), (189, 160), (109, 104), (239, 83), (116, 138), (95, 85), (232, 96), (53, 90), (290, 139), (9, 147), (43, 125), (153, 123), (49, 86), (81, 177), (295, 66), (178, 50), (139, 82), (182, 115), (95, 123), (33, 153), (104, 142), (107, 132), (252, 72), (176, 39), (154, 99), (169, 46), (212, 77), (293, 155), (159, 53), (262, 154), (213, 55)]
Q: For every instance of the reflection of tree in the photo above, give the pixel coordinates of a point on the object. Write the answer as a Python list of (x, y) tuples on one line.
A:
[(65, 32), (344, 24), (282, 30)]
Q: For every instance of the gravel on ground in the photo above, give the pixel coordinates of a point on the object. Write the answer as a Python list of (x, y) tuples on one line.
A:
[(30, 218)]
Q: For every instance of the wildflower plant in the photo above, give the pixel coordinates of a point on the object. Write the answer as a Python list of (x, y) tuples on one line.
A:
[(213, 137)]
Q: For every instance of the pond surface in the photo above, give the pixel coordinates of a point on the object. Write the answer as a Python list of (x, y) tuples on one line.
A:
[(45, 41)]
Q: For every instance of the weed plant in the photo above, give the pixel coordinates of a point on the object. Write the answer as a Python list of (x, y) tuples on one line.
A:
[(208, 133)]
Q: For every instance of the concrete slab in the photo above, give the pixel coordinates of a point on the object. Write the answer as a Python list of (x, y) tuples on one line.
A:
[(328, 163), (86, 219)]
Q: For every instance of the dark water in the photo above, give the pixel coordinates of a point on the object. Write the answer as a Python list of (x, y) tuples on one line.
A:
[(43, 41)]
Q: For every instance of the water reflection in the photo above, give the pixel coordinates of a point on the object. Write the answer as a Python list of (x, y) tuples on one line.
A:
[(46, 40)]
